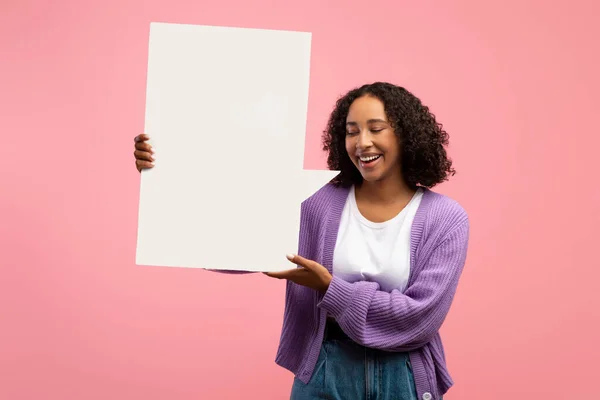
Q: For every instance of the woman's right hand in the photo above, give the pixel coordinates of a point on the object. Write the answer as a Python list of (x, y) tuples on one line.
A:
[(144, 153)]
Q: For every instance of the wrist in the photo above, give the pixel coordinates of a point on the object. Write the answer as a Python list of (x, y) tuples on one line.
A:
[(326, 282)]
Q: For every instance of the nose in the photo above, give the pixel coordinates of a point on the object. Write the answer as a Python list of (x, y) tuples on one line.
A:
[(364, 140)]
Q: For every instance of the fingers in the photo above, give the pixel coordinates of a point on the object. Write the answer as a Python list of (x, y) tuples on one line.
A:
[(141, 143), (140, 165), (289, 274), (279, 274), (144, 146), (143, 156), (144, 153), (141, 138), (303, 262)]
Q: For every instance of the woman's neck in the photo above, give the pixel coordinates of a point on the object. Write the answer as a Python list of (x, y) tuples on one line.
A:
[(388, 191)]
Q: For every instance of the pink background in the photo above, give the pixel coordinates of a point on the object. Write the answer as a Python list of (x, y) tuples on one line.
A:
[(514, 82)]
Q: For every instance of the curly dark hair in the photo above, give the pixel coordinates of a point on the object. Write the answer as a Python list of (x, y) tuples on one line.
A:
[(422, 140)]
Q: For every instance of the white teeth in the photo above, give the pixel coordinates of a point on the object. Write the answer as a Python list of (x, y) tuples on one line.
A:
[(367, 159)]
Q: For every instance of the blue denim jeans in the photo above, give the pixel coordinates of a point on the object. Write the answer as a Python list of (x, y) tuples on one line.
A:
[(348, 371)]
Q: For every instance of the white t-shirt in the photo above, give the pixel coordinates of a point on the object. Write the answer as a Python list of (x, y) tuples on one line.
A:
[(375, 251)]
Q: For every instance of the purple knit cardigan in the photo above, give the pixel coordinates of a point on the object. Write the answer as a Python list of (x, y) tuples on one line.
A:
[(399, 322)]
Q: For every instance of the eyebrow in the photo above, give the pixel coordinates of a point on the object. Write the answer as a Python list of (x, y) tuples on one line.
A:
[(371, 121)]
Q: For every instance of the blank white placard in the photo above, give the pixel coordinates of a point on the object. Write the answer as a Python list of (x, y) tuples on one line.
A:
[(226, 113)]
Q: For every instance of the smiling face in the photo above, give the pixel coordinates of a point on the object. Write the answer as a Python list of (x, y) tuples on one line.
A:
[(371, 141)]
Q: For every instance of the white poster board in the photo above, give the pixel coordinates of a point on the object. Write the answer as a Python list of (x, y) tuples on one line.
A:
[(226, 113)]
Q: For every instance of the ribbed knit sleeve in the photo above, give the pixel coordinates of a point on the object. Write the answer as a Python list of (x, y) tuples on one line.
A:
[(399, 321)]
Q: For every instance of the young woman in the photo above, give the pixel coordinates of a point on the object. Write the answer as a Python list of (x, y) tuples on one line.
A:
[(380, 256)]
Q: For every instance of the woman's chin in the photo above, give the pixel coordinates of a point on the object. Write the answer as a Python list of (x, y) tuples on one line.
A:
[(371, 177)]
